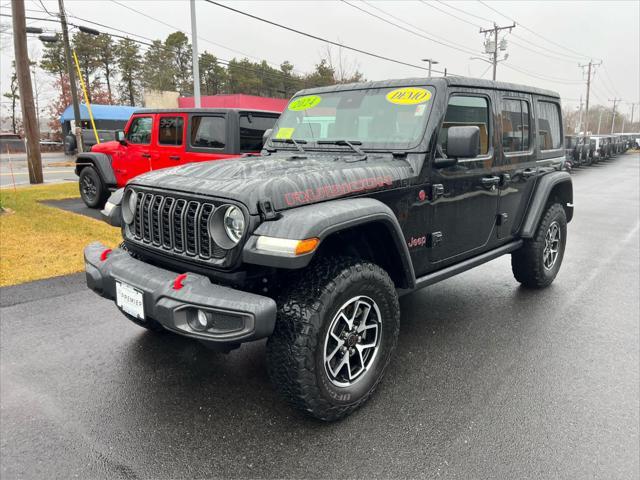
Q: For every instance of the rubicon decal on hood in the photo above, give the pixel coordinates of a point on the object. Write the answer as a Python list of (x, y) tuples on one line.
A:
[(312, 195)]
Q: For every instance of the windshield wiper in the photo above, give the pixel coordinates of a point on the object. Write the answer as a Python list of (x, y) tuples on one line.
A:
[(291, 140), (349, 143)]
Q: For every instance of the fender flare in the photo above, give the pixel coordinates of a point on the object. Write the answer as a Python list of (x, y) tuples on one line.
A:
[(546, 184), (102, 164), (321, 221)]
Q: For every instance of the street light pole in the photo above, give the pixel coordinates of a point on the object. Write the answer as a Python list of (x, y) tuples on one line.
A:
[(23, 72), (72, 77), (194, 51), (431, 62)]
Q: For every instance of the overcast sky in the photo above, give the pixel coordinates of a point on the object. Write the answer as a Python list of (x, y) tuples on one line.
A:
[(601, 30)]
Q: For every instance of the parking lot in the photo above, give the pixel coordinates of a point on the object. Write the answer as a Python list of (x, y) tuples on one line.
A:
[(489, 380)]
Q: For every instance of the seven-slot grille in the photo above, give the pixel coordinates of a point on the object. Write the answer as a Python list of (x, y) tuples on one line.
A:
[(176, 225)]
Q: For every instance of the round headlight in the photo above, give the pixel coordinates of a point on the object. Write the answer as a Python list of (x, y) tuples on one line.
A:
[(129, 206), (234, 223), (226, 226)]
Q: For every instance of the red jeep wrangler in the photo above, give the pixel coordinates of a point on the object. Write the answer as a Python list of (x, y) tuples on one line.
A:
[(155, 139)]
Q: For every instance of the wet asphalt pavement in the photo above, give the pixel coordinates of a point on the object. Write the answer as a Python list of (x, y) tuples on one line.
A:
[(489, 380)]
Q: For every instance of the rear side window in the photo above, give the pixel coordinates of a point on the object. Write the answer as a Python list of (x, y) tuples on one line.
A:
[(515, 125), (140, 130), (208, 132), (170, 130), (548, 125), (465, 111), (252, 127)]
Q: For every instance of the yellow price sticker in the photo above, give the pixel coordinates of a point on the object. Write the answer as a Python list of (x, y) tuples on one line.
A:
[(408, 96), (285, 133), (304, 103)]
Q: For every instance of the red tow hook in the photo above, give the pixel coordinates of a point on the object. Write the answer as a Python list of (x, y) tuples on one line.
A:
[(105, 253), (177, 283)]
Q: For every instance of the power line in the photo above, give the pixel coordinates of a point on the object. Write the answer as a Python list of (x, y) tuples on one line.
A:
[(450, 14), (180, 30), (158, 44), (542, 77), (446, 44), (315, 37), (534, 32), (545, 53), (465, 12), (606, 72)]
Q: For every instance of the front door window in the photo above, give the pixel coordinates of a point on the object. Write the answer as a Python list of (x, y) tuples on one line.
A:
[(140, 131)]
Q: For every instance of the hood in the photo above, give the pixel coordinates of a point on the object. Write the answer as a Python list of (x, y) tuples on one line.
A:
[(105, 147), (287, 180)]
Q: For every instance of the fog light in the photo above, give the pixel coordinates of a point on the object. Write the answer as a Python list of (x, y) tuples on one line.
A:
[(199, 320)]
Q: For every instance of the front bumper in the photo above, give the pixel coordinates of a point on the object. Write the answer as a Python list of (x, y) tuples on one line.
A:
[(238, 316)]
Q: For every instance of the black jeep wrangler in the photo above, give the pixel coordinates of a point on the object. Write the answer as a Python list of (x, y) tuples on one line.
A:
[(362, 193)]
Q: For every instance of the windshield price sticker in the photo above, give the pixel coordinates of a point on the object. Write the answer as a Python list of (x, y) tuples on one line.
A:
[(408, 96), (304, 103), (285, 133)]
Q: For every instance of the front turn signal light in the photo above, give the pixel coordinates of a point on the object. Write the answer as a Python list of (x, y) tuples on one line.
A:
[(286, 245), (307, 246)]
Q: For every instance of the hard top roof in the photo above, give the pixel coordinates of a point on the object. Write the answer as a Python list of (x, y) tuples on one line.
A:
[(435, 81), (202, 110)]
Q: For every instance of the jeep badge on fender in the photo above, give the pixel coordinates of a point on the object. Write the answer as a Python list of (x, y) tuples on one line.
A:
[(362, 193)]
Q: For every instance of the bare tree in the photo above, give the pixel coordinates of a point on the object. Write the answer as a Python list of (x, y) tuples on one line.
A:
[(345, 70)]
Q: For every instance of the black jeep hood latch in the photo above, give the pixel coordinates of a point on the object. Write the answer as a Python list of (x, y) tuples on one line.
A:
[(267, 212)]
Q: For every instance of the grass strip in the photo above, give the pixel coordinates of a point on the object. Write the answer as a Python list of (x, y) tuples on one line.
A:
[(39, 241)]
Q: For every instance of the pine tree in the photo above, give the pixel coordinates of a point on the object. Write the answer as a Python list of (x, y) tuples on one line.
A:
[(159, 69), (13, 96), (53, 60), (213, 76), (179, 47), (106, 59), (86, 47), (129, 62)]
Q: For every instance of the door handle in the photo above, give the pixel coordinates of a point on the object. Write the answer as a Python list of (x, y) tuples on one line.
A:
[(490, 182), (145, 155), (529, 172), (174, 157)]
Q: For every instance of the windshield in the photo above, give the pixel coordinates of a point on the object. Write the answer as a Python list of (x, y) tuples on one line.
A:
[(377, 118)]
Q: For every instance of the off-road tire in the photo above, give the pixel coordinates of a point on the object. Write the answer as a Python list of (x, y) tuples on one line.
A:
[(89, 175), (527, 263), (295, 351)]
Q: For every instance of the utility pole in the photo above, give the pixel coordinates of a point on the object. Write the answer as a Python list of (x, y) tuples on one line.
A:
[(72, 77), (613, 118), (431, 62), (579, 118), (35, 88), (590, 67), (23, 72), (632, 108), (495, 31), (194, 50), (600, 120)]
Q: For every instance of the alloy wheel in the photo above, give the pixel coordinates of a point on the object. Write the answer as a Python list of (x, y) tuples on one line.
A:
[(551, 246), (352, 341)]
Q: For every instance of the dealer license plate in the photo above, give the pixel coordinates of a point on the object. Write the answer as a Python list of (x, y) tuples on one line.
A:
[(130, 299)]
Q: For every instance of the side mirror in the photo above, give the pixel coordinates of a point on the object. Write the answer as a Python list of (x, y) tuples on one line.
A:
[(120, 137), (463, 142), (266, 135)]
